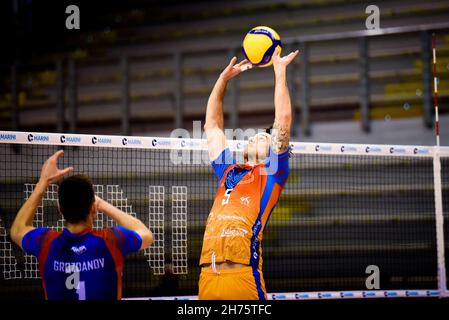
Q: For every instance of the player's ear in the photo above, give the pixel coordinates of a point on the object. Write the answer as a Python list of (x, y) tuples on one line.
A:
[(93, 209)]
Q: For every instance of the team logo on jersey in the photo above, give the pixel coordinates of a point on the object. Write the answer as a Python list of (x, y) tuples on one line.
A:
[(227, 217), (245, 200), (237, 232), (79, 250)]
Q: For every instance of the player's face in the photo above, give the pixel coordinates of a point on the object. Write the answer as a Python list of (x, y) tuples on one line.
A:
[(257, 148)]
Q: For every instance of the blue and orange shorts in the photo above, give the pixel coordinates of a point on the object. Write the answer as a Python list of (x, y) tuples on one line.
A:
[(244, 283)]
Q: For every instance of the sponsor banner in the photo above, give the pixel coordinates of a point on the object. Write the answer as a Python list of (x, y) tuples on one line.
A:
[(8, 137), (132, 141), (100, 140), (323, 147), (70, 139), (164, 143), (189, 144), (38, 137), (200, 144), (296, 147), (359, 149), (422, 150), (374, 149), (349, 149), (423, 293)]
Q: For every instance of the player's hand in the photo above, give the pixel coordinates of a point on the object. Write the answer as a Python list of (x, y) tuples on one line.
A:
[(50, 172), (234, 69), (99, 203), (279, 62)]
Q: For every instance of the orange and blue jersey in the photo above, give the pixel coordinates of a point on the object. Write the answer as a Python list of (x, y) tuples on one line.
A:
[(97, 257), (244, 201)]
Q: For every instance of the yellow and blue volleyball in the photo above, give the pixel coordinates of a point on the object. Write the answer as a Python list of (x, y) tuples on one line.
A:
[(259, 44)]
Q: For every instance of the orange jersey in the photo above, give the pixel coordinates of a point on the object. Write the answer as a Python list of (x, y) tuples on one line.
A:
[(231, 284), (245, 198)]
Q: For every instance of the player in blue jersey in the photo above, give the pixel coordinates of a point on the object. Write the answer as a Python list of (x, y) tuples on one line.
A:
[(78, 263)]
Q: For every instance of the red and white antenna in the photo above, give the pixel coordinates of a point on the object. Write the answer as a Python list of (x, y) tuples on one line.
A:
[(435, 90), (442, 282)]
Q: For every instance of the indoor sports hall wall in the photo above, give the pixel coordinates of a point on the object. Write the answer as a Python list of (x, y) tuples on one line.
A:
[(173, 61)]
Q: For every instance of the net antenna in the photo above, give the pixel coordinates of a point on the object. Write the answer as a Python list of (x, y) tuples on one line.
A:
[(438, 193), (435, 90)]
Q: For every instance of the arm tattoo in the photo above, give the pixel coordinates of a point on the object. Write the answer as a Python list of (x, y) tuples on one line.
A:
[(280, 137)]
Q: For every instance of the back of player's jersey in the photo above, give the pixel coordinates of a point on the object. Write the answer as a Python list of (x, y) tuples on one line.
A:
[(85, 266)]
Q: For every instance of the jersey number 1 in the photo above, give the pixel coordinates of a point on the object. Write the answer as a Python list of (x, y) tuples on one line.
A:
[(73, 282)]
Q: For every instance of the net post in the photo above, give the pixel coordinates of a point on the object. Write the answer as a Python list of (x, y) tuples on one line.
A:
[(439, 222)]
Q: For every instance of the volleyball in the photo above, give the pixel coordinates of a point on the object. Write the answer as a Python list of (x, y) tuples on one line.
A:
[(259, 44)]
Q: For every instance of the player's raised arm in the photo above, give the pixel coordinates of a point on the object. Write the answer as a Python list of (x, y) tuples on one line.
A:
[(127, 221), (283, 108), (23, 223), (214, 123)]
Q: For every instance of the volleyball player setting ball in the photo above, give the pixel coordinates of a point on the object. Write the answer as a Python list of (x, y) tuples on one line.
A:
[(247, 193)]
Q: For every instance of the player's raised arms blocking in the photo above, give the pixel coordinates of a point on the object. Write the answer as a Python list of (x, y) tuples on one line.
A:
[(282, 104), (214, 124)]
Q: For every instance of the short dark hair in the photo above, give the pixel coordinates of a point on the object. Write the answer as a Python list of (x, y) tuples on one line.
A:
[(76, 197)]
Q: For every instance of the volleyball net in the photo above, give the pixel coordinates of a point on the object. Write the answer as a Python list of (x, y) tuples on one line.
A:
[(348, 214)]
